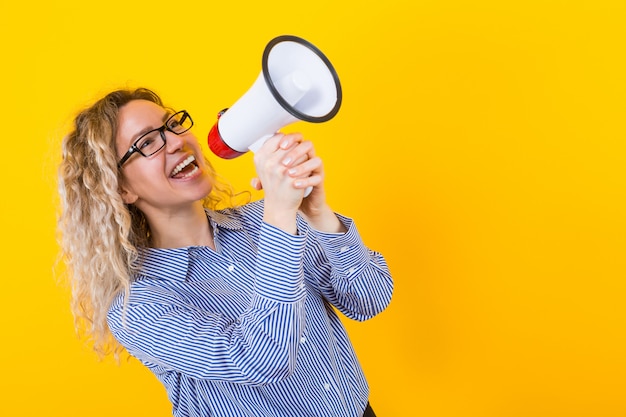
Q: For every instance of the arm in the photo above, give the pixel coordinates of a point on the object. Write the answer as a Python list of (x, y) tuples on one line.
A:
[(353, 278), (350, 276), (162, 328)]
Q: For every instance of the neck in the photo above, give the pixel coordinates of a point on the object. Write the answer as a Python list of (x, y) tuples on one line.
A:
[(182, 227)]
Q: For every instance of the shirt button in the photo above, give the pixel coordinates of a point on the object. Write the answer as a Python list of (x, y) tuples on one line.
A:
[(231, 268), (351, 270), (327, 386), (302, 339), (343, 249)]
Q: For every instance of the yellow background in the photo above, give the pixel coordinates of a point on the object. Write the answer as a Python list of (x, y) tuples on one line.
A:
[(480, 147)]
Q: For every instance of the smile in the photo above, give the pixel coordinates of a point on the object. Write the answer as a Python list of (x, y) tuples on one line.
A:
[(185, 169)]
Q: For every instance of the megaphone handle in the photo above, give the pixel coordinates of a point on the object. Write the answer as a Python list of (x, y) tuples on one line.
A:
[(257, 145)]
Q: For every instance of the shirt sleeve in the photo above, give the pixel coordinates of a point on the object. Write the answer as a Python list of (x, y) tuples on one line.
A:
[(353, 278), (259, 347)]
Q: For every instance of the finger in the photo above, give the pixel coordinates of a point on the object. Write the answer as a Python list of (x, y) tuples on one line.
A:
[(298, 154), (256, 184), (300, 160), (311, 181), (273, 143), (306, 168), (289, 140)]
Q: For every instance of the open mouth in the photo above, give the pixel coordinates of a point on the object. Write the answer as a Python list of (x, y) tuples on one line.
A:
[(185, 169)]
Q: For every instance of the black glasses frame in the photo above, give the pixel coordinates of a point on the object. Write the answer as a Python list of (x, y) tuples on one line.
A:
[(166, 126)]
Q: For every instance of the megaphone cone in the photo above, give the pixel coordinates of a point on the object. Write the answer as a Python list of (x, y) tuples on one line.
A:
[(297, 82)]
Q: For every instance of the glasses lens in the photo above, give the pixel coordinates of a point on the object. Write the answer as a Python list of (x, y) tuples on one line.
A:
[(180, 122), (150, 143)]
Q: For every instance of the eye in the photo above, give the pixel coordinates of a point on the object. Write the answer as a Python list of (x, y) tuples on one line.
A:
[(179, 122), (145, 143), (148, 142), (173, 124)]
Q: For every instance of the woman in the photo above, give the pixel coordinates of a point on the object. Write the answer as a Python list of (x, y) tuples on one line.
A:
[(230, 308)]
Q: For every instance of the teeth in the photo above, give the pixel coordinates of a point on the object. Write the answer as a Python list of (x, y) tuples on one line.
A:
[(183, 164), (193, 171)]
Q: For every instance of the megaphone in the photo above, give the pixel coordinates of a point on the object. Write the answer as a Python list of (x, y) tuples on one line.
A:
[(297, 82)]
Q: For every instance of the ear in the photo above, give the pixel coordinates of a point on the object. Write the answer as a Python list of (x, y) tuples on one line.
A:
[(128, 196)]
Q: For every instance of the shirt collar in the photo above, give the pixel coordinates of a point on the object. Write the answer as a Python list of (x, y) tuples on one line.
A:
[(159, 263), (173, 263), (225, 219)]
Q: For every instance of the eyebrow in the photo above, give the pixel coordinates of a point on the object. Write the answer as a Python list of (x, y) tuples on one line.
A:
[(137, 135)]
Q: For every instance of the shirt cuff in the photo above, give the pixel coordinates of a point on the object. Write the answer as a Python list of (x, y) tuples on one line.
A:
[(279, 266), (345, 251)]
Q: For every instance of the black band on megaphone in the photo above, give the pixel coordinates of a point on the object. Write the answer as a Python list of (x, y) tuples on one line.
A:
[(277, 96)]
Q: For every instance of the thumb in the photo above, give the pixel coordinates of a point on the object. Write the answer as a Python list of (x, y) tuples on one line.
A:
[(256, 184)]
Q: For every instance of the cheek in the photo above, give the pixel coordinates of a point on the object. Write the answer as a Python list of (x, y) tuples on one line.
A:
[(143, 174)]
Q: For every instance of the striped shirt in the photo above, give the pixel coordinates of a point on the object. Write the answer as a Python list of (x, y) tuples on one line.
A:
[(251, 329)]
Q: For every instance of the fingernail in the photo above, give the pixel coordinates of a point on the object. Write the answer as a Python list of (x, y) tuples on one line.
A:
[(284, 144), (298, 183), (286, 161), (292, 171)]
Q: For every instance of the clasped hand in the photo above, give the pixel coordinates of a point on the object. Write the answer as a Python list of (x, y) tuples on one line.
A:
[(286, 165)]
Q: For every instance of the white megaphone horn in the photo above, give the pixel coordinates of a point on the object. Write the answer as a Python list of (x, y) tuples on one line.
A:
[(297, 82)]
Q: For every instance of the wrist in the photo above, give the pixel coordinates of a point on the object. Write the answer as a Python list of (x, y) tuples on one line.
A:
[(324, 220), (282, 219)]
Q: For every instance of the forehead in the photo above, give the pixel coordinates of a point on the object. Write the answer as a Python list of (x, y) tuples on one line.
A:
[(136, 117), (140, 111)]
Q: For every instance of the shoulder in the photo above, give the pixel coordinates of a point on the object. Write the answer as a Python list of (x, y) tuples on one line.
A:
[(250, 214)]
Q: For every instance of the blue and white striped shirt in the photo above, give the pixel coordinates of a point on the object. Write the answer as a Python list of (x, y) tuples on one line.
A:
[(248, 329)]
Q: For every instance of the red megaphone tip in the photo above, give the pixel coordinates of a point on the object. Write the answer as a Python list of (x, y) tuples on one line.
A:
[(219, 147)]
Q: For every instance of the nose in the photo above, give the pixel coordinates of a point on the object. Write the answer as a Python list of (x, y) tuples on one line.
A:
[(173, 142)]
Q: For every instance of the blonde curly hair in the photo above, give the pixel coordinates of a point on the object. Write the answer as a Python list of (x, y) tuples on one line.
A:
[(99, 233)]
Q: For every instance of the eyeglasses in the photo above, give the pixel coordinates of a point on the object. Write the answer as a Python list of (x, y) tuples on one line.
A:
[(153, 141)]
